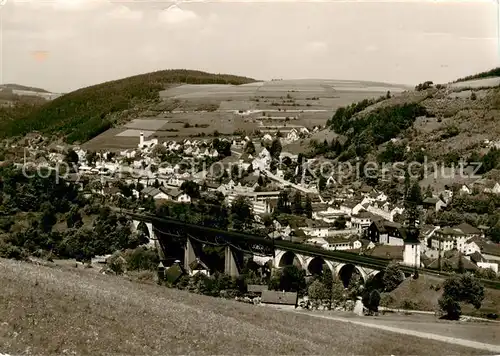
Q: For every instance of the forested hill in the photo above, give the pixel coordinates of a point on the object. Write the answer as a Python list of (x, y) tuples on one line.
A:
[(443, 122), (495, 72), (85, 113)]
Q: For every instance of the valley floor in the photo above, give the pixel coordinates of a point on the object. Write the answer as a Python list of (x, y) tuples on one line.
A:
[(46, 310)]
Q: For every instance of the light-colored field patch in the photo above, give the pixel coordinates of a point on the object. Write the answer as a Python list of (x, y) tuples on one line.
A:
[(141, 124), (135, 133), (237, 105), (479, 83)]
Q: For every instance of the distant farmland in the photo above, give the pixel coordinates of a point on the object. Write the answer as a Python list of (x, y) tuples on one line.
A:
[(200, 110)]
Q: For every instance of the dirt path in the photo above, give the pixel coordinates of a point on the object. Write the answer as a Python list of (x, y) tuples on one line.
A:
[(452, 340)]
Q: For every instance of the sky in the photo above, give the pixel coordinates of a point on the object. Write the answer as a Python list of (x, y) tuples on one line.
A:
[(63, 45)]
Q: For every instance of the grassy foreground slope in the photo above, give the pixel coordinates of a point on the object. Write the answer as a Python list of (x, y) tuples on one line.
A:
[(85, 113), (46, 310), (424, 293)]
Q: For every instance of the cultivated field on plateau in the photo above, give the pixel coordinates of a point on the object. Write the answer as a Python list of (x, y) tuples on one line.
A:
[(48, 310), (192, 110)]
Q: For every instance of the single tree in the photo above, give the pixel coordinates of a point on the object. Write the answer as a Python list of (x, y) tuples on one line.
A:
[(318, 293), (461, 268), (308, 210), (297, 204), (241, 214), (371, 301), (340, 223), (191, 188), (275, 149), (393, 277), (283, 204), (321, 183), (249, 148), (74, 218), (457, 289), (292, 279)]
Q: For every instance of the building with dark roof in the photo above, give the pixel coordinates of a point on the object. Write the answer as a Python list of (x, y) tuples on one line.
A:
[(386, 232), (469, 230)]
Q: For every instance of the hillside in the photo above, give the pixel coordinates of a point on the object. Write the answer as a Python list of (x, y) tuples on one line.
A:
[(443, 123), (22, 87), (53, 311), (424, 293), (84, 113)]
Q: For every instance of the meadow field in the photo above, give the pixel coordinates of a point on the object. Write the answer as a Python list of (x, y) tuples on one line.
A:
[(49, 310)]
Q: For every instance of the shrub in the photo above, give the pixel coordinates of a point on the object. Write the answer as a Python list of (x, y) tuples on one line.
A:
[(10, 251), (141, 258), (409, 304), (317, 292), (460, 288), (386, 300), (424, 86), (451, 131), (116, 263), (371, 300), (393, 276)]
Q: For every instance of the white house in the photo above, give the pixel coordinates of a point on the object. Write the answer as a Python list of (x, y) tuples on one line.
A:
[(486, 186), (464, 189), (304, 131), (263, 160), (385, 210), (317, 241), (154, 193), (350, 207), (361, 220), (292, 136), (317, 229), (434, 203), (184, 198), (494, 189), (341, 243), (267, 137)]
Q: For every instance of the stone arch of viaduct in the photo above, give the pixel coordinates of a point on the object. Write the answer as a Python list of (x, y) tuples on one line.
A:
[(309, 263)]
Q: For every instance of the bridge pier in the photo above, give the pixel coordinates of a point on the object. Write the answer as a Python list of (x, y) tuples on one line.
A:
[(153, 241), (189, 255), (230, 266)]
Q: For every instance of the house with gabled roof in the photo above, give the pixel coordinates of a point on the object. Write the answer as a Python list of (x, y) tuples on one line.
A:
[(350, 207), (489, 250), (155, 193), (341, 243), (448, 238), (385, 210), (386, 232), (362, 220), (198, 266), (486, 186), (465, 189), (469, 230), (433, 203)]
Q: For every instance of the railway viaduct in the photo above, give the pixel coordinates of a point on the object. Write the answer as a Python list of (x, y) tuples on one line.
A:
[(177, 240)]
